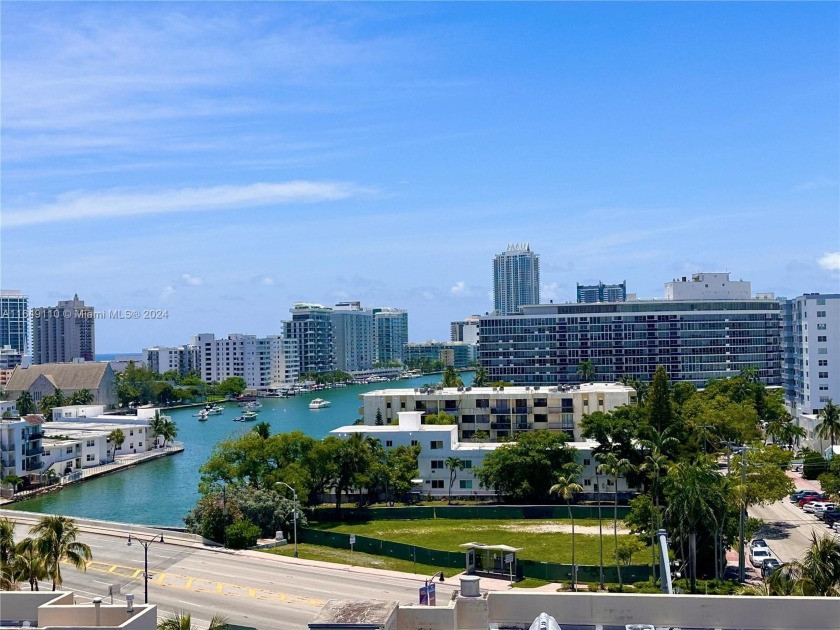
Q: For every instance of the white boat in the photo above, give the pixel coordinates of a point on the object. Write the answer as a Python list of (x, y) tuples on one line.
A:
[(254, 406), (319, 403), (202, 415), (214, 409)]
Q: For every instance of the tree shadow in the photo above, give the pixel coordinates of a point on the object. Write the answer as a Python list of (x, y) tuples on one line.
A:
[(776, 530)]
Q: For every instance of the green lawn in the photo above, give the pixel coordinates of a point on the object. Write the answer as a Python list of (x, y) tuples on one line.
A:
[(530, 535), (343, 556)]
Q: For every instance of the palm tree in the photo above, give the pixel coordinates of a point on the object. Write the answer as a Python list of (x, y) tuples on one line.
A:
[(25, 404), (829, 428), (653, 464), (787, 432), (182, 620), (566, 488), (30, 564), (82, 397), (451, 378), (7, 540), (156, 426), (481, 378), (56, 541), (454, 464), (817, 574), (116, 437), (169, 430), (612, 465), (263, 429), (585, 371)]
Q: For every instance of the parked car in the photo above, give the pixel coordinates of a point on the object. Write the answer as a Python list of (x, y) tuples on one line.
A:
[(802, 494), (812, 506), (821, 507), (757, 542), (768, 566), (805, 500), (830, 517), (759, 555)]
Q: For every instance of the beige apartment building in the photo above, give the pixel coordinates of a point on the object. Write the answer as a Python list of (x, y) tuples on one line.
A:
[(501, 412)]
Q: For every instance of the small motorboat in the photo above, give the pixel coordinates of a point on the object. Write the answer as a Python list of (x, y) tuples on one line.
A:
[(203, 415), (319, 403)]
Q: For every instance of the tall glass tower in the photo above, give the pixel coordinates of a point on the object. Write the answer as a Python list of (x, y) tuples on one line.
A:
[(14, 320), (516, 279)]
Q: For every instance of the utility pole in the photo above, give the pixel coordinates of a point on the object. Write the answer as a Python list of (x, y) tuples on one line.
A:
[(742, 516)]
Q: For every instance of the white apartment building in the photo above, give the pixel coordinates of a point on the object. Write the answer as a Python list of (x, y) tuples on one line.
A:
[(262, 362), (708, 286), (180, 359), (390, 328), (501, 412), (439, 442), (811, 346), (465, 330), (20, 443), (353, 337)]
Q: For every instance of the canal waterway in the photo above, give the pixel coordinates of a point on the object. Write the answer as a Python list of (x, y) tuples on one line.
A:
[(162, 491)]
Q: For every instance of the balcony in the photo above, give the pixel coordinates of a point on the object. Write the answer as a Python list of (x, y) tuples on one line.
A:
[(33, 452), (35, 436), (500, 410), (500, 425)]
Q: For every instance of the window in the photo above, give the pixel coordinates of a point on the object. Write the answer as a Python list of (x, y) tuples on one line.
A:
[(131, 432), (587, 482), (467, 464), (586, 461), (823, 362), (465, 484), (609, 482), (89, 457), (89, 443), (139, 444), (436, 444), (822, 326), (389, 443), (69, 450), (437, 464), (821, 302), (820, 313), (823, 375), (822, 351), (822, 339), (414, 442), (437, 484)]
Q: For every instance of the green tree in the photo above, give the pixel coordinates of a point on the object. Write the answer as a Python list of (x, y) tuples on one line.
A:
[(231, 386), (56, 542), (7, 539), (441, 417), (585, 371), (566, 488), (14, 481), (481, 378), (614, 467), (451, 378), (378, 421), (659, 410), (263, 429), (156, 427), (25, 405), (525, 470), (117, 438), (817, 574), (182, 620), (81, 397), (453, 464), (352, 461), (168, 430), (829, 428), (30, 564)]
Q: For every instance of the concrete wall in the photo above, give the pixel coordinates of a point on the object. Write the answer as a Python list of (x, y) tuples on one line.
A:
[(703, 611), (427, 617), (23, 605), (111, 617)]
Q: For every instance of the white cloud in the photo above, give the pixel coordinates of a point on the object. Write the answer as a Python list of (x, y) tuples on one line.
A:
[(193, 281), (460, 289), (550, 291), (117, 203), (266, 281), (830, 261), (168, 292)]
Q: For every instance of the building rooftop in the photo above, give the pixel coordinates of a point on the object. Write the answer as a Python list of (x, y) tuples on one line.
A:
[(64, 376), (371, 613), (585, 388)]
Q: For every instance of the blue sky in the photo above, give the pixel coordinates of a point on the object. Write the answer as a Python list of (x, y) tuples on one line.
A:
[(223, 160)]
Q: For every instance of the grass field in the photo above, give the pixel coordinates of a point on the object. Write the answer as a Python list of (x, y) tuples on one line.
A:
[(343, 556), (535, 537)]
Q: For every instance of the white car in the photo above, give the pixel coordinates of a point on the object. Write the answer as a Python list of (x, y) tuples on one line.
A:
[(821, 507), (758, 555)]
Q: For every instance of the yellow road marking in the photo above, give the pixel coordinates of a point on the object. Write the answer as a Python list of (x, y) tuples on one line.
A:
[(194, 584)]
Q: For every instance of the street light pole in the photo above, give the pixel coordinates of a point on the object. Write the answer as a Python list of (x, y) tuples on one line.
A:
[(146, 544), (294, 517)]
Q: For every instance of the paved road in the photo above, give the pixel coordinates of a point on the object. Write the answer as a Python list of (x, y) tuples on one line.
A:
[(788, 529), (252, 589)]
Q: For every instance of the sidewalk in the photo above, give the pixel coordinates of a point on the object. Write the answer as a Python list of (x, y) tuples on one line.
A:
[(803, 484)]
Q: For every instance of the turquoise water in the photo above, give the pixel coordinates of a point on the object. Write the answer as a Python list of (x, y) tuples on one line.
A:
[(162, 491)]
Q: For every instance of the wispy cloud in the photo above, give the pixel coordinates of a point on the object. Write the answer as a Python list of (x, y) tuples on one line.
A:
[(814, 184), (193, 281), (830, 261), (75, 206)]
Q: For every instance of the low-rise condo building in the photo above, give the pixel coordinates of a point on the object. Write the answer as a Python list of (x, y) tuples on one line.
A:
[(501, 412)]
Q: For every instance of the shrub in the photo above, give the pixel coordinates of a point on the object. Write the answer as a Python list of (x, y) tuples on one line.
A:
[(242, 535), (813, 465)]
